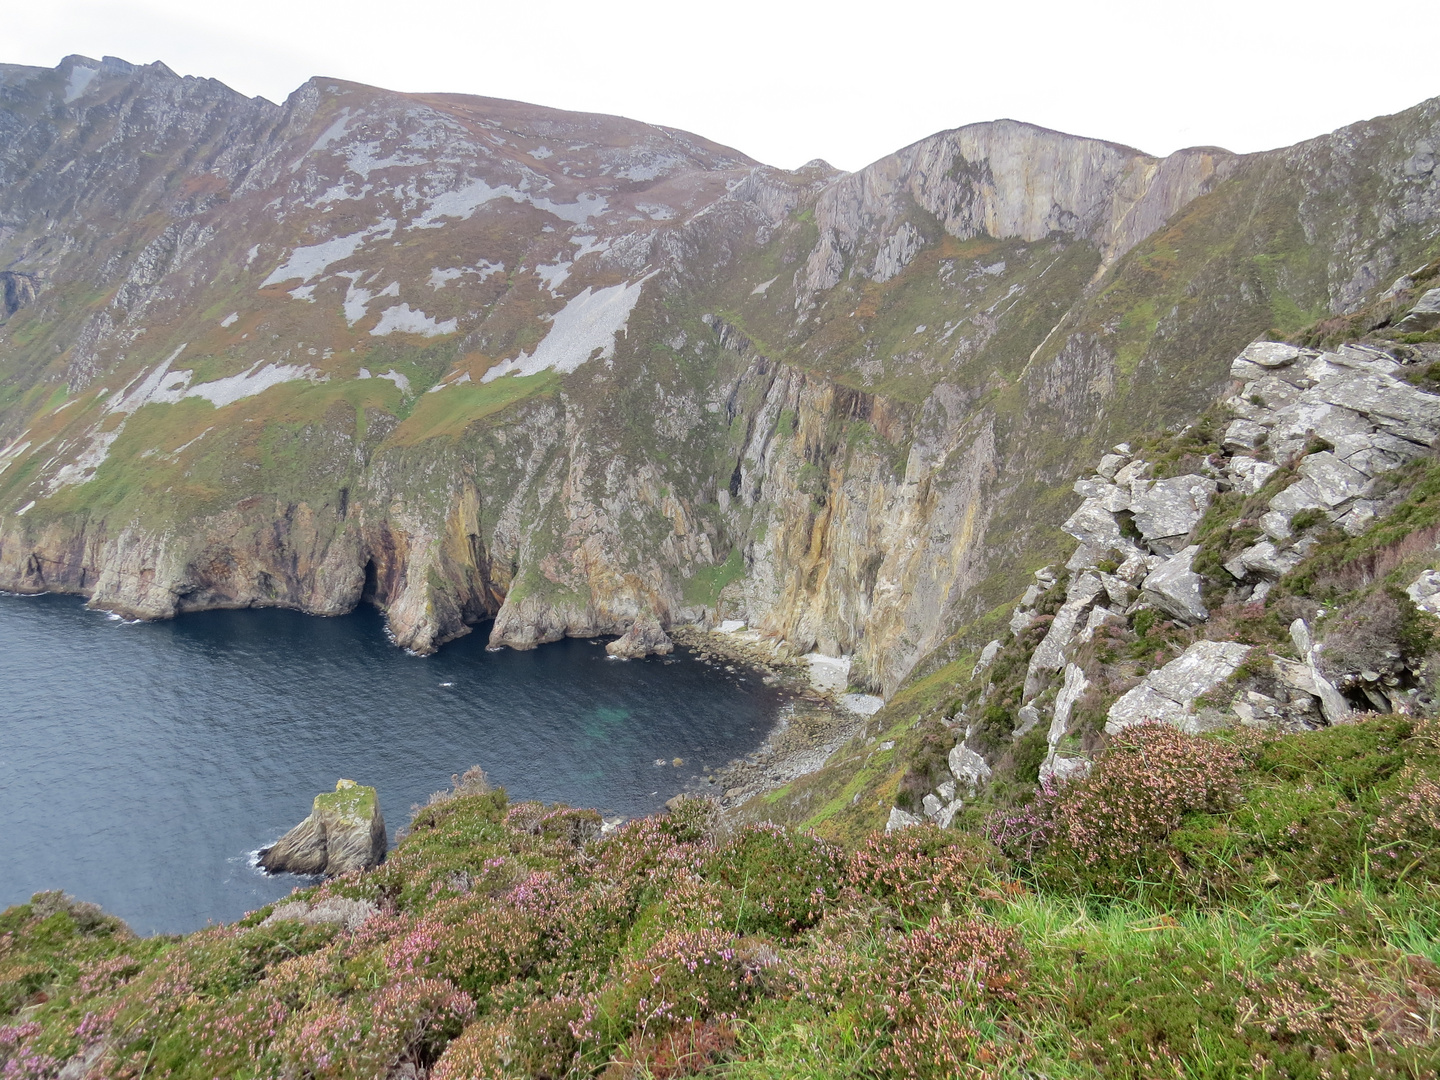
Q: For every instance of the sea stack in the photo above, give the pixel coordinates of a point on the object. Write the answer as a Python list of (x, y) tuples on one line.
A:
[(345, 831)]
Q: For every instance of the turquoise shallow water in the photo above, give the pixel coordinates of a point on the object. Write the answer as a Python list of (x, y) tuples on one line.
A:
[(141, 765)]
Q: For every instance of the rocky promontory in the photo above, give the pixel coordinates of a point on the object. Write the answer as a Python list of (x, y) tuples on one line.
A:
[(345, 831)]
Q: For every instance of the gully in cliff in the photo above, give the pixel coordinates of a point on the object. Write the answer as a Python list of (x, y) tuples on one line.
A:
[(345, 831)]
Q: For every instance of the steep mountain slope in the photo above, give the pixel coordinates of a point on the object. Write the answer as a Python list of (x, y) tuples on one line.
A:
[(468, 358)]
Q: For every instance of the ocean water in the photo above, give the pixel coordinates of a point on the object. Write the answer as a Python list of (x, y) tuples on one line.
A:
[(142, 765)]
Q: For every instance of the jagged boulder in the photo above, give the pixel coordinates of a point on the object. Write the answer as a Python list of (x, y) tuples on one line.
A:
[(1169, 509), (1174, 587), (345, 831), (1169, 694), (1049, 655), (968, 767), (1423, 316), (900, 819), (1424, 592), (645, 637)]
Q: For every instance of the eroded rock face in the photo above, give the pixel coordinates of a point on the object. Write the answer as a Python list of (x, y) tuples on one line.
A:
[(345, 831), (852, 487)]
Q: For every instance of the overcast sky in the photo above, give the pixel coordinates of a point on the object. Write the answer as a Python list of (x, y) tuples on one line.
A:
[(789, 81)]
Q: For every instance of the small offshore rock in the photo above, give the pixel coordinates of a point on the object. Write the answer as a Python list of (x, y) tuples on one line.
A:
[(645, 637), (345, 831)]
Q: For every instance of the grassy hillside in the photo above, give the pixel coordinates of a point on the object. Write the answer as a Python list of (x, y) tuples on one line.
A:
[(1216, 906)]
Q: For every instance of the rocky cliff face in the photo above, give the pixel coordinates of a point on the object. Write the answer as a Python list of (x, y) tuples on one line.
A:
[(469, 359)]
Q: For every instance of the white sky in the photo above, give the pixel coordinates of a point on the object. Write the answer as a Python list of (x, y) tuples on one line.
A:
[(789, 80)]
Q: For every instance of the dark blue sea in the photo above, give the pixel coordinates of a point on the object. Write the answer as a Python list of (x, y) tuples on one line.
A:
[(143, 764)]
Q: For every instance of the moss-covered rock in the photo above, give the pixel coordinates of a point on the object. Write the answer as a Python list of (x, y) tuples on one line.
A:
[(345, 831)]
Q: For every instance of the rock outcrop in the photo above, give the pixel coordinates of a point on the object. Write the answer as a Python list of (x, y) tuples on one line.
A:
[(1315, 433), (345, 831), (644, 638)]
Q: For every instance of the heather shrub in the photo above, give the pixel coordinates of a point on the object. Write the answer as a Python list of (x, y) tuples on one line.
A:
[(779, 880), (539, 1040), (1108, 830), (919, 869), (1380, 631), (936, 989), (685, 1049), (643, 855), (476, 945), (1405, 839), (685, 977), (404, 1022), (692, 819)]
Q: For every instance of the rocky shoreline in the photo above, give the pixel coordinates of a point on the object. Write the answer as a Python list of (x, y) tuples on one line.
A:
[(811, 726)]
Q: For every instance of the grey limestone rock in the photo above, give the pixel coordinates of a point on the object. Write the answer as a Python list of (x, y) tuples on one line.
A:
[(1175, 588), (1358, 517), (1248, 475), (968, 767), (947, 813), (1136, 470), (1333, 480), (1332, 704), (1270, 354), (1275, 524), (1070, 691), (1299, 496), (1377, 452), (1169, 693), (1269, 561), (1029, 716), (1244, 434), (1110, 464), (1425, 315), (899, 819), (988, 654), (1049, 655), (1394, 405), (1424, 591), (1167, 512), (350, 914), (1063, 769), (1093, 525)]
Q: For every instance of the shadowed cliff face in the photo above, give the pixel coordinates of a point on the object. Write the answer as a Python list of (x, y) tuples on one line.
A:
[(464, 358)]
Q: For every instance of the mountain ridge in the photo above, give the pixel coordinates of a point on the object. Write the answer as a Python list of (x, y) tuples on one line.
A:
[(837, 406)]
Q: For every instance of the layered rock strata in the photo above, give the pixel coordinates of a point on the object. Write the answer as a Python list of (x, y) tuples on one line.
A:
[(345, 831)]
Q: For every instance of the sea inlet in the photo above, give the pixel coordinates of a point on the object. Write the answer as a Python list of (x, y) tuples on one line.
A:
[(142, 765)]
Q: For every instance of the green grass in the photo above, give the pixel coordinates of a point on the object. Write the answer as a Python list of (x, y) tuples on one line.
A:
[(448, 413), (704, 587)]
